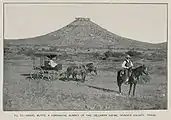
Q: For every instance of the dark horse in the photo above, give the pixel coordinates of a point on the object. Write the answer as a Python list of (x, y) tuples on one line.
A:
[(133, 77)]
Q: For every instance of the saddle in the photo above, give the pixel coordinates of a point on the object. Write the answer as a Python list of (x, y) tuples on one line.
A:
[(124, 72)]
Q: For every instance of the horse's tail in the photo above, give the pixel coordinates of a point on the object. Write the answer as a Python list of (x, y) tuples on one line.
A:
[(118, 77), (118, 73)]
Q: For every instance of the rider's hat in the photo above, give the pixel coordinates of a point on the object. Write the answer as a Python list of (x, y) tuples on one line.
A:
[(128, 56)]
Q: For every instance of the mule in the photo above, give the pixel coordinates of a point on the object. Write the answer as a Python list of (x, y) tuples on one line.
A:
[(133, 77), (75, 71), (70, 71), (80, 71)]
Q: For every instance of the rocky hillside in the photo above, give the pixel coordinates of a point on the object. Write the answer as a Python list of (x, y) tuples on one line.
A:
[(82, 32)]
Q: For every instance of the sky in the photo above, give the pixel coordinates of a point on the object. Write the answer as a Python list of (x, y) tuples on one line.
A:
[(142, 22)]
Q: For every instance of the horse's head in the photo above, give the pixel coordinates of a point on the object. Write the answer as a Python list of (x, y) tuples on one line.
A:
[(144, 69)]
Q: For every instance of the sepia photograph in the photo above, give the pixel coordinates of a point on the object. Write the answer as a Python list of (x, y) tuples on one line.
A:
[(85, 57)]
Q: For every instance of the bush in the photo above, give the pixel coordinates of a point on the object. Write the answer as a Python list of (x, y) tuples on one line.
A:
[(108, 54), (54, 49), (144, 79), (157, 56), (113, 54), (29, 52), (118, 54), (134, 53), (96, 55)]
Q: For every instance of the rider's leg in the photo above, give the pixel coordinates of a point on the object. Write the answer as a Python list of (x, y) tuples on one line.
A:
[(126, 75)]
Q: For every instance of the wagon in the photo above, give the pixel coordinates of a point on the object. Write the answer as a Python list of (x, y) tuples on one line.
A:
[(44, 70)]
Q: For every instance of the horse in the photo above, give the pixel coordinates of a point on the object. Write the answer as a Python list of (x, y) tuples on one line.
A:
[(76, 70), (133, 77), (91, 68), (70, 71), (80, 71)]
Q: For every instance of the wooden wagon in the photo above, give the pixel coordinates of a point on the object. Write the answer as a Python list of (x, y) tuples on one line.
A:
[(44, 70)]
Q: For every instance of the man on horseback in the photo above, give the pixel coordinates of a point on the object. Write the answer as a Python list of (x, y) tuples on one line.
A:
[(127, 66)]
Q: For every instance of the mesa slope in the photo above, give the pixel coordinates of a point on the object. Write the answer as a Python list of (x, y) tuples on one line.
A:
[(82, 32)]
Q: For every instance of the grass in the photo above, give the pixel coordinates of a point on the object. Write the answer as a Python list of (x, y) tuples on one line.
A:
[(25, 94), (48, 99)]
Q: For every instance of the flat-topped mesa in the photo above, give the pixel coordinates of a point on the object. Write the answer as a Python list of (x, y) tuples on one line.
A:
[(82, 19)]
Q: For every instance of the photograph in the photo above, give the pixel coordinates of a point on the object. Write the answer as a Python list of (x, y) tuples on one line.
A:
[(85, 56)]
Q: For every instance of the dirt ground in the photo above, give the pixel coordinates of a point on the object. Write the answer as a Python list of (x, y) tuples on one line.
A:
[(99, 92)]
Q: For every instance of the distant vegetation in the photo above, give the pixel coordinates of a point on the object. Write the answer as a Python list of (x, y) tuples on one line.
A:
[(134, 53), (157, 56), (152, 54)]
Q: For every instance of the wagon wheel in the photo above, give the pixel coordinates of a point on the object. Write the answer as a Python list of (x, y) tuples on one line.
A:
[(60, 74), (51, 75), (54, 75), (57, 74), (48, 75), (37, 73)]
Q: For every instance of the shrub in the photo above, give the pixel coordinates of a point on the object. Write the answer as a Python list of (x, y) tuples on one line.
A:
[(134, 53), (118, 54), (29, 52), (157, 56), (108, 54), (113, 54), (144, 79), (96, 54), (53, 49)]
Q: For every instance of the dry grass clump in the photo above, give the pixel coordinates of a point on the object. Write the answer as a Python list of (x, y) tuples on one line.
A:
[(42, 96), (144, 79)]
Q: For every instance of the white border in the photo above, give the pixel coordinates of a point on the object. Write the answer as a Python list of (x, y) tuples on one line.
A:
[(160, 114)]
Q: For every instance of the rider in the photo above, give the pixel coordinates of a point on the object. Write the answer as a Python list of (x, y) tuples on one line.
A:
[(126, 65)]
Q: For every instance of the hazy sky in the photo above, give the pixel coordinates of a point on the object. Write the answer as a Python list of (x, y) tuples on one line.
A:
[(143, 22)]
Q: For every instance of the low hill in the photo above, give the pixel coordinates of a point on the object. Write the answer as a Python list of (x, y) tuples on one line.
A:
[(82, 32)]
